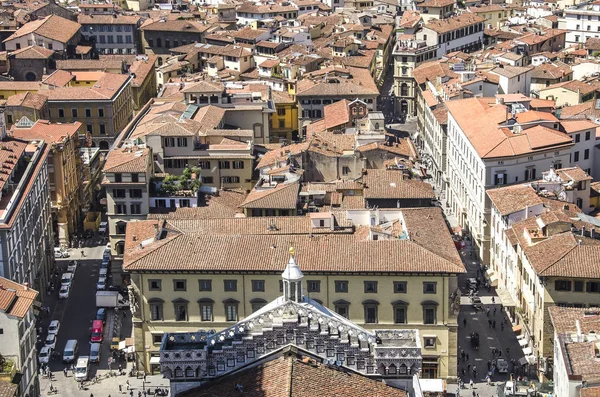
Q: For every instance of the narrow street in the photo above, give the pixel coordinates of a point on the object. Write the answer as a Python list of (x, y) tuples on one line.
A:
[(75, 315)]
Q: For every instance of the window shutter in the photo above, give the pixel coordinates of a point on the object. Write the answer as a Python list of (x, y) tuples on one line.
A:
[(533, 173), (505, 176), (526, 175), (588, 287), (557, 285), (496, 179)]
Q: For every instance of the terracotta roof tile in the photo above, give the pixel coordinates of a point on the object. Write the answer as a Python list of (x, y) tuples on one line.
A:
[(336, 114), (52, 27), (280, 197), (15, 299), (32, 52), (225, 205), (127, 160), (510, 199), (49, 132), (449, 24), (290, 377), (27, 99), (381, 184)]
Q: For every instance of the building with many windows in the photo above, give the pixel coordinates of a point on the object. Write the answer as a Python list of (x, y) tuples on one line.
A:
[(19, 337), (112, 34), (486, 149), (458, 33), (127, 174), (581, 22), (64, 171), (210, 273)]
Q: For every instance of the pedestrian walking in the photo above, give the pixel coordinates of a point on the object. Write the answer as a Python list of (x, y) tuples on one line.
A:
[(467, 356), (471, 384), (462, 354), (488, 380), (65, 371), (499, 353), (464, 323), (139, 394), (489, 323), (145, 377), (507, 351), (502, 326), (473, 393), (463, 372), (82, 254), (494, 311), (120, 388), (493, 300), (91, 394), (489, 365), (487, 311), (494, 324), (131, 393), (469, 367)]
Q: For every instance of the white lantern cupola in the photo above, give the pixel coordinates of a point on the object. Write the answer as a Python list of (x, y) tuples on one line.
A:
[(292, 279)]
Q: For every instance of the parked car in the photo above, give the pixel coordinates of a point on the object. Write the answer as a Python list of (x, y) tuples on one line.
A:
[(101, 315), (51, 341), (107, 248), (54, 327), (72, 267), (502, 366), (105, 263), (101, 284), (66, 279), (64, 291), (103, 272), (82, 368), (102, 228), (97, 331), (60, 253), (95, 352), (45, 354)]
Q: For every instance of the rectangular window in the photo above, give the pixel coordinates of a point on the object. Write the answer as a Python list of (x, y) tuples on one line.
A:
[(136, 208), (586, 154), (429, 287), (577, 138), (342, 309), (258, 285), (341, 286), (429, 315), (156, 311), (578, 286), (230, 179), (180, 311), (102, 129), (61, 113), (400, 287), (205, 285), (231, 311), (562, 285), (169, 142), (182, 142), (370, 287), (587, 135), (179, 285), (345, 170), (89, 128), (118, 193), (429, 342), (576, 156), (313, 285), (100, 112), (121, 208), (207, 179), (400, 314), (593, 286), (74, 112), (135, 178), (135, 193), (281, 112), (154, 285), (238, 165), (118, 178), (370, 314), (157, 338), (224, 165), (206, 311), (230, 285), (204, 165)]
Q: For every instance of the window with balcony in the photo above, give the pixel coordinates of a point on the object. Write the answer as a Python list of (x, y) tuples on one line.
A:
[(180, 306)]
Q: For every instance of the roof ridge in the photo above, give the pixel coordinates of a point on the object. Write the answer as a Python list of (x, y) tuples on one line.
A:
[(163, 242), (562, 256)]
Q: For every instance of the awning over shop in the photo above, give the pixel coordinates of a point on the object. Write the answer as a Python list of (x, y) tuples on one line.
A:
[(527, 351), (530, 359), (505, 298), (517, 329), (523, 361), (491, 276), (522, 342), (433, 385), (154, 360)]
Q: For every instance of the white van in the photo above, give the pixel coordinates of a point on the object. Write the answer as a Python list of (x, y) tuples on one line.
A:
[(81, 369), (70, 352), (66, 279)]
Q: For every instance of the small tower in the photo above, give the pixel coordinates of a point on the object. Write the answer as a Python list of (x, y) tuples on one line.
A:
[(292, 279)]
